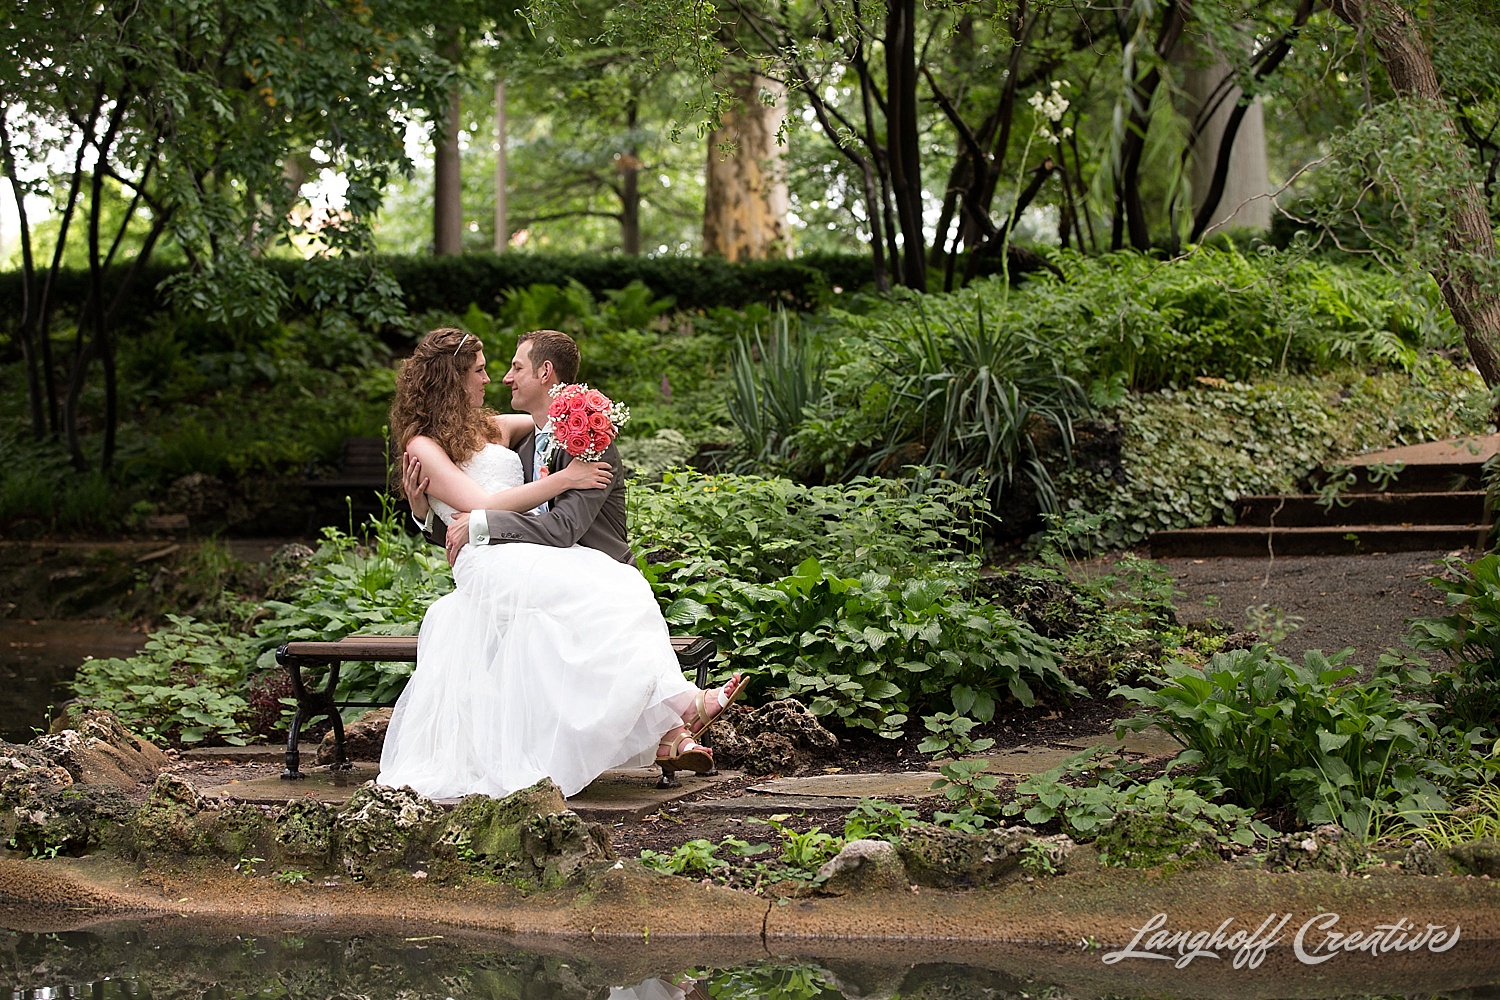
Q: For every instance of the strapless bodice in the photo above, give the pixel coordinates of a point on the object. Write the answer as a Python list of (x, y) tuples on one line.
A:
[(494, 467)]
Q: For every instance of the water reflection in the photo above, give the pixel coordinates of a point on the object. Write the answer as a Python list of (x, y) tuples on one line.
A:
[(38, 660), (183, 959)]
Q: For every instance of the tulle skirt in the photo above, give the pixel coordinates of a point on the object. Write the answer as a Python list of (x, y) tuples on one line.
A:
[(543, 662)]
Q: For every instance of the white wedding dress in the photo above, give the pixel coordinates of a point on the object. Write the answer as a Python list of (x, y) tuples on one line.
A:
[(543, 662)]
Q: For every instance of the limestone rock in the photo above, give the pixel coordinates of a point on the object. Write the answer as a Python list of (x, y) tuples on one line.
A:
[(25, 771), (305, 831), (488, 831), (381, 827), (780, 737), (1328, 848), (769, 753), (559, 845), (168, 821), (1478, 857), (239, 830), (1422, 859), (69, 820), (98, 750), (942, 858), (363, 738), (864, 866), (201, 497)]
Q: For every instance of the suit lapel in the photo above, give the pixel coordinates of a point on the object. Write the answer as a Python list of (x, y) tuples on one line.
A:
[(526, 449)]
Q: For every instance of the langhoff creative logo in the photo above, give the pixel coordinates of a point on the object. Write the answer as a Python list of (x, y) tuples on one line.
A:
[(1314, 942)]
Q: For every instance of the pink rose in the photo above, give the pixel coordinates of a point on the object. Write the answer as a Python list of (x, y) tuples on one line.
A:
[(576, 423), (596, 400), (578, 443), (599, 422)]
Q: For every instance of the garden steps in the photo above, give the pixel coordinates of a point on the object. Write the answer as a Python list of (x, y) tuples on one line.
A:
[(1416, 498)]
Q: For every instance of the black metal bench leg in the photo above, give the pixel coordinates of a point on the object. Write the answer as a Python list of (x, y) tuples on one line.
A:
[(668, 777), (293, 755)]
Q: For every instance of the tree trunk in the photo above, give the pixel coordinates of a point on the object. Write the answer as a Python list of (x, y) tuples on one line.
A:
[(628, 163), (1470, 241), (447, 193), (745, 199), (1213, 99), (1130, 209), (902, 137), (502, 222)]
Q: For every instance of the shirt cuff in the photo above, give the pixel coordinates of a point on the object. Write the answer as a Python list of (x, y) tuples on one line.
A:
[(425, 523), (479, 528)]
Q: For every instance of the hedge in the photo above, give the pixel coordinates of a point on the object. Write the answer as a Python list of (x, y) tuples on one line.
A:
[(451, 283)]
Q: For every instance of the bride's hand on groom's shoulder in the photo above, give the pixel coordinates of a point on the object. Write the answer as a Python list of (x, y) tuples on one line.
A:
[(581, 475), (414, 485), (458, 536)]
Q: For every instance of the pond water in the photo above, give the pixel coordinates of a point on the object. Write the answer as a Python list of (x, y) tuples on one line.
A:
[(38, 660), (181, 958)]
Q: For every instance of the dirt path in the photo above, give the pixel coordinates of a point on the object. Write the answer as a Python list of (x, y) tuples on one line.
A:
[(1361, 601)]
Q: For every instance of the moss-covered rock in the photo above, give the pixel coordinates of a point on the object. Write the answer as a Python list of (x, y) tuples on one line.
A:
[(385, 828), (1477, 857), (942, 858), (239, 830), (1149, 839), (1328, 849), (305, 832), (864, 866), (69, 820), (168, 822), (560, 845)]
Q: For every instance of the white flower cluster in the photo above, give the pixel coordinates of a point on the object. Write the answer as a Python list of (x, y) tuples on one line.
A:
[(1049, 108), (619, 413)]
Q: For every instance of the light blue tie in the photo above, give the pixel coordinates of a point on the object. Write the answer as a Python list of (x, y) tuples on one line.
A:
[(539, 461)]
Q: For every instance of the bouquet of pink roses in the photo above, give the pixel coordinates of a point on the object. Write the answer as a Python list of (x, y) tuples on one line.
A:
[(584, 420)]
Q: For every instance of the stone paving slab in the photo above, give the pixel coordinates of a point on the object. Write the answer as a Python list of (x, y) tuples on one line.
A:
[(262, 754), (629, 794), (853, 786), (1151, 742), (1028, 759), (615, 796)]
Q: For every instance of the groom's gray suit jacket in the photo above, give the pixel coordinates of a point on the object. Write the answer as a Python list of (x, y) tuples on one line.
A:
[(594, 518)]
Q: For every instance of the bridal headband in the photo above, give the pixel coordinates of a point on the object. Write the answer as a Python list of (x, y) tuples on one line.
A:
[(460, 345)]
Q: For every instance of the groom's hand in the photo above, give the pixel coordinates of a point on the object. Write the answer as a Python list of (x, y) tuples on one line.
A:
[(458, 536)]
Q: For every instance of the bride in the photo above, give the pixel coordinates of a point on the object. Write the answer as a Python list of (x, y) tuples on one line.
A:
[(543, 661)]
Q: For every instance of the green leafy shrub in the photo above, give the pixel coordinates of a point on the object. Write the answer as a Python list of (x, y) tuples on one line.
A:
[(182, 686), (770, 388), (866, 651), (1306, 737), (759, 529), (1470, 637), (1189, 454), (380, 584), (874, 819)]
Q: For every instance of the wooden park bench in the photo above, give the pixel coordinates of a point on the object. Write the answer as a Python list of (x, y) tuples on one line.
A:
[(693, 654)]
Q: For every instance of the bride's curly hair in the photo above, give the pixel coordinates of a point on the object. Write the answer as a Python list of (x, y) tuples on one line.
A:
[(430, 396)]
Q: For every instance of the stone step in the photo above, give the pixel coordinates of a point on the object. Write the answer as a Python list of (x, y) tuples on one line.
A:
[(1354, 539), (1361, 509)]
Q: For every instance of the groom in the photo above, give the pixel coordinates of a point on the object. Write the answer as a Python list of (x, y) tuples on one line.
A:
[(594, 518)]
